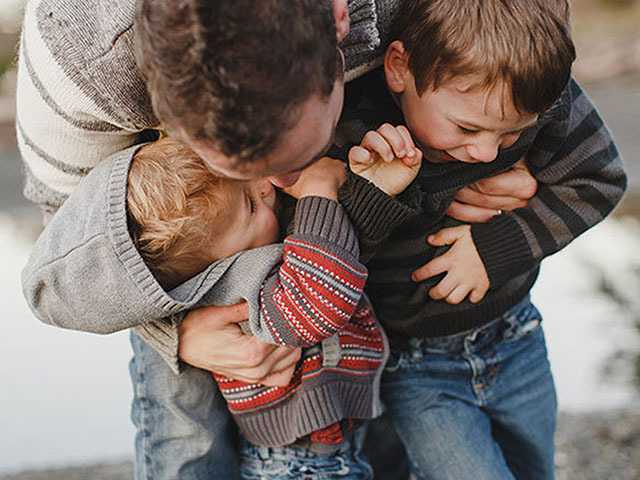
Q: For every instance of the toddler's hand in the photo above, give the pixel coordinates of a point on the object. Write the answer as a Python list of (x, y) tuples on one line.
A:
[(465, 271), (387, 157), (321, 179)]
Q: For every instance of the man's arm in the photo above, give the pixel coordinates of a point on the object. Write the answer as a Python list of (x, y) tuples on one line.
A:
[(580, 180)]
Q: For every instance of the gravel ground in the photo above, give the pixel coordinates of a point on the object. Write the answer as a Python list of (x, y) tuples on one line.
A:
[(595, 446)]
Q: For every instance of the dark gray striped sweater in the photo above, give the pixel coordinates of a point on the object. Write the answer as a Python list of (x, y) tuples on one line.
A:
[(580, 180)]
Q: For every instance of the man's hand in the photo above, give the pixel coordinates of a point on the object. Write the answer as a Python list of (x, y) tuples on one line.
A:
[(481, 201), (388, 158), (465, 271), (210, 338), (321, 179)]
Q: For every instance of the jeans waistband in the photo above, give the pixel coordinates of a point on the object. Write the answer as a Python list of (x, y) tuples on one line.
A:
[(349, 436), (479, 337)]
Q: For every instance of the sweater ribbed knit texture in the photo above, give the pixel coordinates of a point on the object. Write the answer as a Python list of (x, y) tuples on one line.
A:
[(81, 98), (580, 180)]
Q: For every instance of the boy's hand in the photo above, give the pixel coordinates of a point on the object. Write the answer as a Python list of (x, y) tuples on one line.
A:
[(465, 271), (321, 179), (388, 158)]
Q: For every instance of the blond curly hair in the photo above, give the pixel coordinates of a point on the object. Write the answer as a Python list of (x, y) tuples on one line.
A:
[(177, 209)]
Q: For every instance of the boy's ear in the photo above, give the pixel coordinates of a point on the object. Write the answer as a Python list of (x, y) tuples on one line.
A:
[(396, 67), (341, 16)]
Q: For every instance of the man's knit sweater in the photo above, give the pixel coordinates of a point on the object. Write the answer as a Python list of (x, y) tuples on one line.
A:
[(81, 98), (580, 180)]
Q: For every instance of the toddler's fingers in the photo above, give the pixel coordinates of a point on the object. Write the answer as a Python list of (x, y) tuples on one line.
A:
[(359, 156), (458, 294), (394, 138), (435, 267), (443, 289), (446, 236), (414, 155), (375, 142)]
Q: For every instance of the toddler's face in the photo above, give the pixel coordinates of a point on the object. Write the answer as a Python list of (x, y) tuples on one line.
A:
[(458, 122), (253, 220)]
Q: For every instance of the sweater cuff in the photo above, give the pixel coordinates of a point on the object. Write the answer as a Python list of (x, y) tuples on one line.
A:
[(503, 248), (162, 336), (326, 219), (374, 213)]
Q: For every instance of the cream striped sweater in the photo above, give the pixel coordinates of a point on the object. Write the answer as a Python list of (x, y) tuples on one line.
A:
[(81, 98)]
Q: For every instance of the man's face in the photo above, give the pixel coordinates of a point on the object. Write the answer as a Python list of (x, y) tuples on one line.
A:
[(307, 141)]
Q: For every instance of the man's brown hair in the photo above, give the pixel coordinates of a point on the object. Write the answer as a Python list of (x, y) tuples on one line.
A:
[(524, 43), (232, 72), (176, 209)]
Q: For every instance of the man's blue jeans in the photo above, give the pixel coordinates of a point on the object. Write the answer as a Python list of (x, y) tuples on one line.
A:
[(479, 405), (184, 430)]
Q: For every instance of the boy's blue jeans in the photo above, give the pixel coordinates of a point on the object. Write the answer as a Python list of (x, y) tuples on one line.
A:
[(479, 405), (295, 463)]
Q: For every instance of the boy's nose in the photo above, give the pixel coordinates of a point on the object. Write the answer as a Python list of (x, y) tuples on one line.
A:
[(483, 151)]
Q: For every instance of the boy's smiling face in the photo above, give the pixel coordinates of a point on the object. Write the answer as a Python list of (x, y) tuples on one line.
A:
[(458, 121)]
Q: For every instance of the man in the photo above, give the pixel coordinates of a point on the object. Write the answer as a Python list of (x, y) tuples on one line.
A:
[(255, 88)]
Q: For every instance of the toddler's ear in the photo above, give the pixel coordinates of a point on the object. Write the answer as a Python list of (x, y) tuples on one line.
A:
[(396, 67)]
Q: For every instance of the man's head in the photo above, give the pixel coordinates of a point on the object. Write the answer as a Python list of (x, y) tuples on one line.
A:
[(182, 216), (255, 88), (473, 74)]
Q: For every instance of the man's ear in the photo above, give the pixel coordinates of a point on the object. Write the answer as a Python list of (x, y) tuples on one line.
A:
[(396, 67), (341, 16)]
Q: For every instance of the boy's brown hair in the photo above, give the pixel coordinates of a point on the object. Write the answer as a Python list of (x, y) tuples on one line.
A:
[(524, 43), (176, 209), (231, 73)]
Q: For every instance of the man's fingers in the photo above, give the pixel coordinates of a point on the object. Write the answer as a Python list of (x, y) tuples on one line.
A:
[(458, 294), (446, 236), (374, 142), (287, 361), (223, 314), (469, 213), (395, 139), (279, 379), (444, 288), (470, 196), (517, 182), (258, 366), (435, 267)]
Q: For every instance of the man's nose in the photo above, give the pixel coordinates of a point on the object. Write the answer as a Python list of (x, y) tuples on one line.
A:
[(283, 181), (483, 151)]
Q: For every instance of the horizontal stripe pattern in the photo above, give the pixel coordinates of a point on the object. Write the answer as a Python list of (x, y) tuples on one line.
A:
[(580, 180)]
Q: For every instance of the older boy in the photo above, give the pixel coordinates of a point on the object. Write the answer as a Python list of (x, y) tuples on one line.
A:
[(480, 84)]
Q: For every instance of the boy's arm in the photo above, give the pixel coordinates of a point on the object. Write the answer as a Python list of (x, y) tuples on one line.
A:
[(317, 287), (379, 193), (580, 180)]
